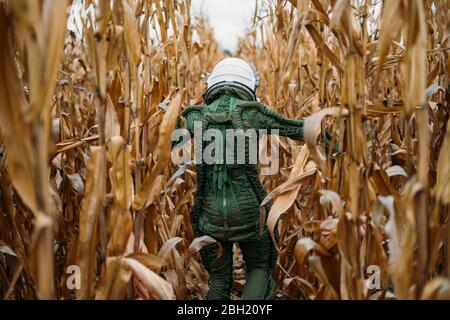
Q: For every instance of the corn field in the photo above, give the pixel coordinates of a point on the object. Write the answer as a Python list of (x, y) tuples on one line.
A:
[(86, 117)]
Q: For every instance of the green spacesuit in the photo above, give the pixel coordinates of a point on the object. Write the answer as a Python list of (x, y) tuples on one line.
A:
[(228, 196)]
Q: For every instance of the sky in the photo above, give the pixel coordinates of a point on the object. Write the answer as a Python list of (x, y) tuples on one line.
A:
[(227, 17)]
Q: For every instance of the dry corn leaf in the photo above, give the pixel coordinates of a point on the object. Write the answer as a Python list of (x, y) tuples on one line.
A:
[(156, 287)]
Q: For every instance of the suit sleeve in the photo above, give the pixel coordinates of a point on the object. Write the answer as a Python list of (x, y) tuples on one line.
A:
[(259, 116), (187, 120)]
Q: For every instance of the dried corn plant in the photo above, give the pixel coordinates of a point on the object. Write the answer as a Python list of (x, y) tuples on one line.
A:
[(86, 180), (375, 75), (87, 183)]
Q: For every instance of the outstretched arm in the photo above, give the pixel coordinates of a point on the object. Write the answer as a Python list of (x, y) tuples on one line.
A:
[(258, 116), (187, 120)]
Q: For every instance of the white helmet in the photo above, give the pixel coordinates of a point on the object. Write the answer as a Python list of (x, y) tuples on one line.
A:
[(234, 72)]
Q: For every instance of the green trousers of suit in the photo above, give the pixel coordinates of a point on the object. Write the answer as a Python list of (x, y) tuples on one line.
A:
[(259, 282)]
